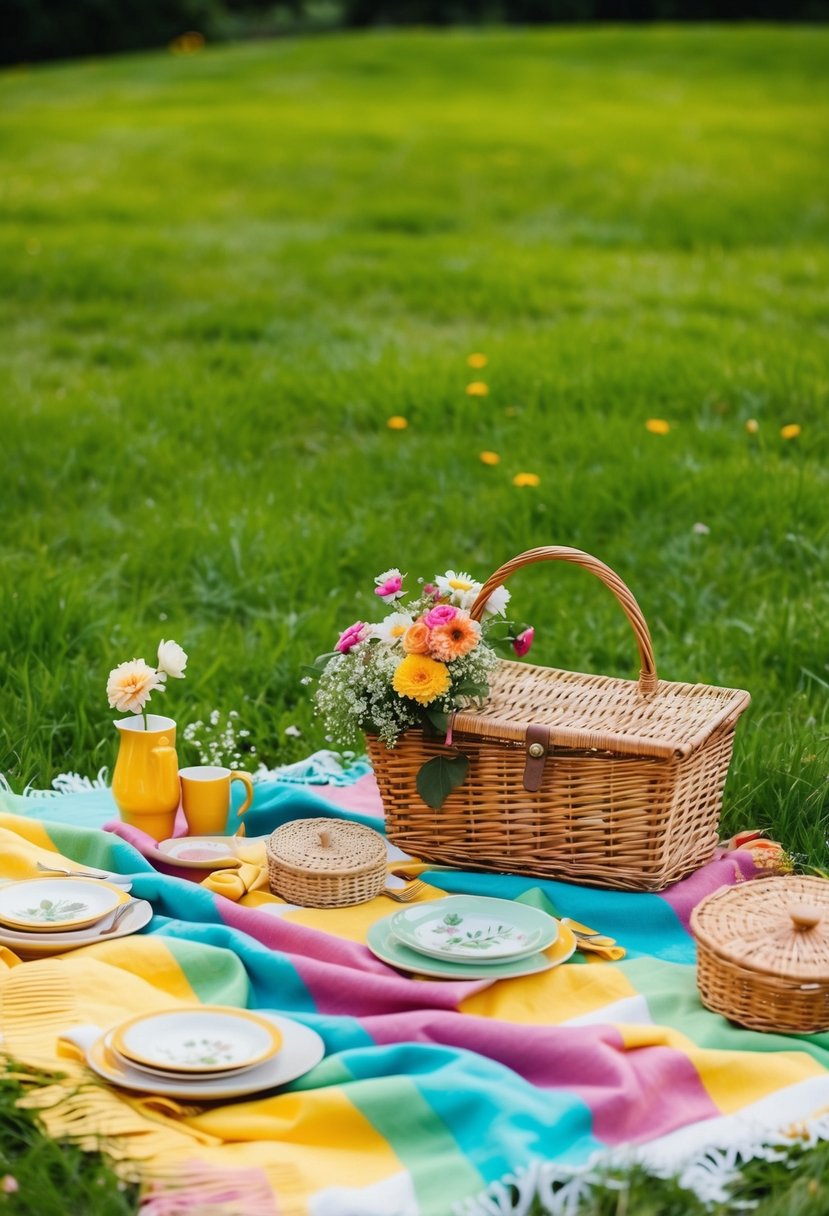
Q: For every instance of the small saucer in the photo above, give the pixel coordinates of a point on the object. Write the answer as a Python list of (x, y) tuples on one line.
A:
[(201, 852)]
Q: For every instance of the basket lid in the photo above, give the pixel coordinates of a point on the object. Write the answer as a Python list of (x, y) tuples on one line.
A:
[(326, 846), (778, 926), (602, 713)]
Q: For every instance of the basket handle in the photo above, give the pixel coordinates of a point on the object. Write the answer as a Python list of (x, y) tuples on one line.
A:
[(648, 678)]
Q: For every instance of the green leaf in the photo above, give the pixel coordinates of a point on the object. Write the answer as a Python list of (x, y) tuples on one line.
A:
[(469, 689), (439, 776), (439, 718)]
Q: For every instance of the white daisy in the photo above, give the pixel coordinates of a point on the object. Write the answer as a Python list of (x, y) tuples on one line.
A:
[(391, 630), (459, 586)]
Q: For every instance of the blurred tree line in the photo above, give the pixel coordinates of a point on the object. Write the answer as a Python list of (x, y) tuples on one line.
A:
[(49, 29)]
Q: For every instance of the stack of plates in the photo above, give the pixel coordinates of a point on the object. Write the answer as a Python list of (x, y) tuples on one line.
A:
[(469, 937), (42, 916), (205, 1052)]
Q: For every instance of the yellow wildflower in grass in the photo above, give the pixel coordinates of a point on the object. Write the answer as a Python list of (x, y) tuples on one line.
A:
[(421, 678), (490, 458), (397, 423), (188, 44), (477, 360), (790, 432), (752, 426), (526, 479), (657, 426), (477, 389)]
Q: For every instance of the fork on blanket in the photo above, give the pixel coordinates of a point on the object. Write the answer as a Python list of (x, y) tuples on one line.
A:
[(404, 895)]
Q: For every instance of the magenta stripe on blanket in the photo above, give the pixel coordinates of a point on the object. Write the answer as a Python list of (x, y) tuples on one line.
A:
[(634, 1095)]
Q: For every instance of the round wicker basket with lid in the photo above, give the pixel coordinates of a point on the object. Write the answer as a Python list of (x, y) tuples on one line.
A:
[(326, 863), (763, 953)]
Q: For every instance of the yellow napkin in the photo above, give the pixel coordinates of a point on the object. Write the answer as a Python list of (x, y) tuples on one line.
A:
[(588, 941), (235, 883)]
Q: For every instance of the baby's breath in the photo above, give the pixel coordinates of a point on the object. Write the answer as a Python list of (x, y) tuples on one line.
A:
[(219, 742)]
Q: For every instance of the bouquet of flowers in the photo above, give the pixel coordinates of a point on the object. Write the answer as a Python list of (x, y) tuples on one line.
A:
[(424, 660)]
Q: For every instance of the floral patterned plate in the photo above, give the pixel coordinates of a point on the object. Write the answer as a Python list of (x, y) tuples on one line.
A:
[(474, 928), (302, 1049), (44, 905), (200, 1039), (385, 946)]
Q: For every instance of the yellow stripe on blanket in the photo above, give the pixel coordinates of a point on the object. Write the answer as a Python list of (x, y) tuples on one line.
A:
[(551, 998), (733, 1079)]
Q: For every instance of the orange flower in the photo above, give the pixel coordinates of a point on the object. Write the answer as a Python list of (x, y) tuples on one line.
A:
[(397, 423), (454, 639), (526, 479), (416, 639), (790, 432), (421, 678), (477, 360), (490, 458), (477, 389), (657, 426), (752, 426)]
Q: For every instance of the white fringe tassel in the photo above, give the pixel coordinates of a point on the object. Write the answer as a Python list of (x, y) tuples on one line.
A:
[(708, 1173)]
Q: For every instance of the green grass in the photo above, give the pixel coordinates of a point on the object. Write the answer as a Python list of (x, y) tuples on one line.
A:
[(221, 274)]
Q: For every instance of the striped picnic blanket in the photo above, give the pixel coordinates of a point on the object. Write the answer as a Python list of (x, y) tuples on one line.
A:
[(431, 1093)]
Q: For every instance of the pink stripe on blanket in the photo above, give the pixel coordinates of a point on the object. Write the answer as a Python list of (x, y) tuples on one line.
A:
[(635, 1094), (362, 796), (344, 977), (725, 870)]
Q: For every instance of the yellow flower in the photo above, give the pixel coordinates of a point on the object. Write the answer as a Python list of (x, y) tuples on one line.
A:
[(397, 423), (187, 44), (477, 360), (657, 426), (790, 432), (421, 678), (477, 389), (752, 426), (490, 458), (526, 479)]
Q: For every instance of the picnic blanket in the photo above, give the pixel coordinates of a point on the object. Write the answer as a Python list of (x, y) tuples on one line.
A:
[(434, 1097)]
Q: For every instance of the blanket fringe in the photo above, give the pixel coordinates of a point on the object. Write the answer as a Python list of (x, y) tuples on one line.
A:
[(709, 1173), (202, 1188)]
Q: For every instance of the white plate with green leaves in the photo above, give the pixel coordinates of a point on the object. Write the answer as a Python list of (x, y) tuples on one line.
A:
[(474, 929), (46, 905)]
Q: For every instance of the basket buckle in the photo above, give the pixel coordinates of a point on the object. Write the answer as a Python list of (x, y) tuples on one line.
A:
[(537, 744)]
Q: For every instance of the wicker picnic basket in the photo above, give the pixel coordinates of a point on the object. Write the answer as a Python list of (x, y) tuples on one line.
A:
[(326, 863), (586, 778), (763, 953)]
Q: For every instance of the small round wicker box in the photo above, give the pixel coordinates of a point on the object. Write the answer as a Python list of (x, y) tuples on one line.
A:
[(326, 863), (763, 953)]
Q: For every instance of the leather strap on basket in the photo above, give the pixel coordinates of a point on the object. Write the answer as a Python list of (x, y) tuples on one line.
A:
[(648, 678), (537, 745)]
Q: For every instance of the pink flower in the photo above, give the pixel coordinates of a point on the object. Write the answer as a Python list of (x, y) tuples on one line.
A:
[(441, 614), (351, 636), (389, 585), (523, 642), (9, 1184), (431, 590)]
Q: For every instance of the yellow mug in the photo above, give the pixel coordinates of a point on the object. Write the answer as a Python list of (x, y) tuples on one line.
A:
[(205, 797)]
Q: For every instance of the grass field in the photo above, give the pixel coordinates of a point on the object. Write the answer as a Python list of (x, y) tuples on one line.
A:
[(221, 274)]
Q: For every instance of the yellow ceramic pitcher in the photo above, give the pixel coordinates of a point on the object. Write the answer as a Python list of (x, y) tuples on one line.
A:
[(145, 782)]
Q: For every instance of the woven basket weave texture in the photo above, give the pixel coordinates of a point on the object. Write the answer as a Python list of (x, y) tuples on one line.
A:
[(763, 953), (326, 863), (628, 793)]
